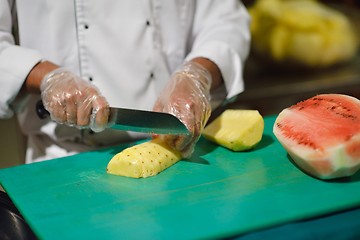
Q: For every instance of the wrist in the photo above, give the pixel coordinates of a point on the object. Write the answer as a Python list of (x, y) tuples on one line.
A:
[(58, 74), (198, 74), (213, 70), (36, 75)]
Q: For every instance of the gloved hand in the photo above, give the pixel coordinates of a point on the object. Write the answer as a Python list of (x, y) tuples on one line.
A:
[(73, 101), (187, 96)]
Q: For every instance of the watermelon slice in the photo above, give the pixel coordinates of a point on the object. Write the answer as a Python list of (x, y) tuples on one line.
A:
[(322, 135)]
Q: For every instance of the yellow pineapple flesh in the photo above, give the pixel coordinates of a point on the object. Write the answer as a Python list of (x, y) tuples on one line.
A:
[(236, 129), (143, 160), (324, 35)]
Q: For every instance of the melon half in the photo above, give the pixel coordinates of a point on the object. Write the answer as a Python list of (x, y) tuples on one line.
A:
[(322, 135)]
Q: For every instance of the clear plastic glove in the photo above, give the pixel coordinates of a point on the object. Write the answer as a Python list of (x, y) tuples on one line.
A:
[(187, 96), (73, 101)]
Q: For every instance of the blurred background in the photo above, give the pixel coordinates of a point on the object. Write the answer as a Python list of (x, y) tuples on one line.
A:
[(300, 48)]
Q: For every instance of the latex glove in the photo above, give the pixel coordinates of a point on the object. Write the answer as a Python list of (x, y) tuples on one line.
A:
[(73, 101), (187, 96)]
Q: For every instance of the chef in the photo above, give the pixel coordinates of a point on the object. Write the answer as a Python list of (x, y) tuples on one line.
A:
[(80, 57)]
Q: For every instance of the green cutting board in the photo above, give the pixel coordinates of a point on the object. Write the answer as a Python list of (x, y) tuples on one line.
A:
[(217, 193)]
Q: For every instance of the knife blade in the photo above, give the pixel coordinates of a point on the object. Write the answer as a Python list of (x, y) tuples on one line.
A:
[(147, 121), (136, 120)]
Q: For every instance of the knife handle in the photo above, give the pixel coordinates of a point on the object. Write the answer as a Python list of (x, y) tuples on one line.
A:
[(41, 111)]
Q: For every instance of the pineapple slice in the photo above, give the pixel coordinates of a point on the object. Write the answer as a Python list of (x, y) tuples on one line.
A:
[(143, 160), (237, 130)]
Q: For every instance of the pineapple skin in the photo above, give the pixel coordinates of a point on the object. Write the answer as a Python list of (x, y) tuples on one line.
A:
[(143, 160), (237, 130)]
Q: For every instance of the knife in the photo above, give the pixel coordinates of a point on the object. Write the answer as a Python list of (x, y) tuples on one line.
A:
[(136, 120)]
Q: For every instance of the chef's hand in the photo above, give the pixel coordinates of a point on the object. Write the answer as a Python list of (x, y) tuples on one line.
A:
[(73, 101), (187, 96)]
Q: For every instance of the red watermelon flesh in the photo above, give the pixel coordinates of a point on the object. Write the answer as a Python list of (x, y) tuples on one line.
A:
[(322, 135)]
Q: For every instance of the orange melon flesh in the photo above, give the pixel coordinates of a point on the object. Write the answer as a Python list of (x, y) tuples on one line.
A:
[(322, 135)]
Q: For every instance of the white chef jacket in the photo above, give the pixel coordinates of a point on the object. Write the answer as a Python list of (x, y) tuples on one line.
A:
[(127, 48)]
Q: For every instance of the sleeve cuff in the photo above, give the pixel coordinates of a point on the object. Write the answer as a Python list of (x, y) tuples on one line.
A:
[(228, 61), (15, 64)]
